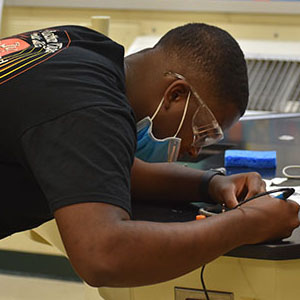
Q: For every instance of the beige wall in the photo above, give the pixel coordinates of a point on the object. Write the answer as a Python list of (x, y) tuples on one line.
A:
[(125, 25)]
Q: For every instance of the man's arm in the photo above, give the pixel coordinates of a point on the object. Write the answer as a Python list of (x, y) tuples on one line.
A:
[(169, 182), (106, 248)]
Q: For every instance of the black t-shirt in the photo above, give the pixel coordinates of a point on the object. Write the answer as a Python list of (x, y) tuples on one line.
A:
[(67, 130)]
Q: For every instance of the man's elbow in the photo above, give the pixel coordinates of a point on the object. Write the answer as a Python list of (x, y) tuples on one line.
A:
[(96, 244), (101, 269), (97, 274)]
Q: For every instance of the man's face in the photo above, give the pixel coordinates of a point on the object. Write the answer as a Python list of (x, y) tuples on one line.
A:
[(168, 119)]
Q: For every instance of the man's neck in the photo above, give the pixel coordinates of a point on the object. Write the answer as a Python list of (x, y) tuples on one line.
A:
[(138, 69)]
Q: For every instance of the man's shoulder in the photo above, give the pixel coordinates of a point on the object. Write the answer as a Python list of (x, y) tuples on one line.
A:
[(86, 44), (67, 68)]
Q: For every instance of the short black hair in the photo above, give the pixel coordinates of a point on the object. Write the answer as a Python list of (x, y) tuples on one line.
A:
[(213, 53)]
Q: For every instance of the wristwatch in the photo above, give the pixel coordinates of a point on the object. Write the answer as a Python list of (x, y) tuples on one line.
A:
[(205, 180)]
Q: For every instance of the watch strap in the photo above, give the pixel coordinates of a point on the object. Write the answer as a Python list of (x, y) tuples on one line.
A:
[(205, 180)]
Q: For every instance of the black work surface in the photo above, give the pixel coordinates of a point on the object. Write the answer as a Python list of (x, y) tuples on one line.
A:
[(261, 135)]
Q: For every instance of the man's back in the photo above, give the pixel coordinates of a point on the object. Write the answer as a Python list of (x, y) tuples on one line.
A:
[(61, 90)]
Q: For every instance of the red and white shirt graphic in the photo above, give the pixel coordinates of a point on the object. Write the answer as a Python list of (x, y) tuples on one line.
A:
[(21, 53)]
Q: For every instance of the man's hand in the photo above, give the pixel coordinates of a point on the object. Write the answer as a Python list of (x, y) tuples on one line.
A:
[(270, 218), (232, 189)]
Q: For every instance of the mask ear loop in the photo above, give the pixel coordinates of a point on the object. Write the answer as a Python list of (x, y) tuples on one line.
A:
[(158, 108), (173, 149), (184, 114), (284, 171)]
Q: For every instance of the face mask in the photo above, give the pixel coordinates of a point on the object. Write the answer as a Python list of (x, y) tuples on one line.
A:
[(152, 149)]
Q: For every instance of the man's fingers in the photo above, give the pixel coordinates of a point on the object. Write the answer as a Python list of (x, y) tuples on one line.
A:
[(255, 185), (229, 198), (296, 207)]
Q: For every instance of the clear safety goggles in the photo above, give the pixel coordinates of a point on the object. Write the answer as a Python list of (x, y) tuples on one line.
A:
[(206, 129)]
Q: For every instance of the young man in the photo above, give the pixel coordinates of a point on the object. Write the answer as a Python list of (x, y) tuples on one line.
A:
[(69, 110)]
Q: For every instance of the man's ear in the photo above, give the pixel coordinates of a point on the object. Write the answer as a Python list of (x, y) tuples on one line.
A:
[(176, 92)]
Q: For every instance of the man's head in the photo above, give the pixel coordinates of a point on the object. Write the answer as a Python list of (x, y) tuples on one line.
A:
[(213, 66)]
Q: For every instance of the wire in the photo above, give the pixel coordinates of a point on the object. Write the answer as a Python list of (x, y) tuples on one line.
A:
[(291, 176), (203, 283), (286, 193)]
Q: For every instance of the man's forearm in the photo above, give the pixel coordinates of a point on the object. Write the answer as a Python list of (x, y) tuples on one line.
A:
[(134, 253), (149, 253), (165, 182)]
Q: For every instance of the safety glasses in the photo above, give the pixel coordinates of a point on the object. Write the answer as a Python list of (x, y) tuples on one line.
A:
[(206, 129)]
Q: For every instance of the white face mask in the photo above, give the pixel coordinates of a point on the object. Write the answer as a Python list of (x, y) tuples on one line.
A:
[(152, 149)]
